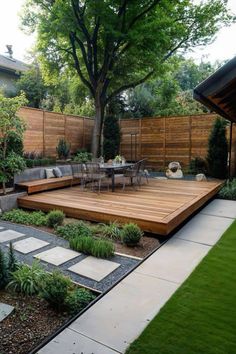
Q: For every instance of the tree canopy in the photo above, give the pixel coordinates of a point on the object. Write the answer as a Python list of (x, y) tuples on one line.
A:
[(114, 45)]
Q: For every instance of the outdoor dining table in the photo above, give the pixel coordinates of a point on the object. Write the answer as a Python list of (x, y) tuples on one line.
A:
[(110, 168)]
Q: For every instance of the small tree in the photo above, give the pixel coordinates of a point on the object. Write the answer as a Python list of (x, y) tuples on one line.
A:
[(10, 161), (218, 150), (12, 261), (111, 135), (3, 270)]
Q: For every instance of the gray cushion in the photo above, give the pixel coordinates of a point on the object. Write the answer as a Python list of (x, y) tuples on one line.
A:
[(57, 172)]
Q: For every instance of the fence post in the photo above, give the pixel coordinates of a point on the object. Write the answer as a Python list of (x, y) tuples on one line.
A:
[(190, 139), (140, 139), (44, 149), (83, 144), (164, 143)]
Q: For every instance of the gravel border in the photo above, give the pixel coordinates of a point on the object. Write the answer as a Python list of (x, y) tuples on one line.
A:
[(126, 263)]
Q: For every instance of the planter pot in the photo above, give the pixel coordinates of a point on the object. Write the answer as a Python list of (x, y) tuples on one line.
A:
[(9, 201)]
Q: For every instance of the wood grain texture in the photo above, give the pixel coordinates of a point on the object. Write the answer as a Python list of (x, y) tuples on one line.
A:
[(158, 207), (45, 184)]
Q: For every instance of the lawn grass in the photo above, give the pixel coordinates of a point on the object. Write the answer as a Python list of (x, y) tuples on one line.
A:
[(200, 318)]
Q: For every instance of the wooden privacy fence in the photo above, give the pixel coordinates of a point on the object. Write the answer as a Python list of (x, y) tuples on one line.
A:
[(44, 129), (165, 139), (159, 139)]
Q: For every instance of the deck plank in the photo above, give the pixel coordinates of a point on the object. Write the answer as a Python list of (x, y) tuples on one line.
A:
[(158, 207)]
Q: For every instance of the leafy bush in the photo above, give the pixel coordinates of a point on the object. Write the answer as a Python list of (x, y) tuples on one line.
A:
[(26, 279), (112, 231), (3, 270), (198, 165), (15, 143), (30, 163), (63, 149), (83, 157), (72, 230), (78, 299), (12, 261), (229, 190), (112, 137), (55, 288), (20, 216), (131, 234), (218, 150), (55, 218), (92, 246)]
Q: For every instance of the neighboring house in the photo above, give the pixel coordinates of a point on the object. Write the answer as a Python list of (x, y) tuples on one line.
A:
[(10, 71)]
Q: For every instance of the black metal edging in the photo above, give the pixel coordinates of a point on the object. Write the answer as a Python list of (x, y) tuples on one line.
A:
[(75, 317)]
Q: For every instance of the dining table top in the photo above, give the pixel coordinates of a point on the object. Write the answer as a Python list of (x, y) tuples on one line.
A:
[(112, 166)]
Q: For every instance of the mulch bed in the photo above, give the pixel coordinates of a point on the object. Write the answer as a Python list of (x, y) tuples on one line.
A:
[(31, 322)]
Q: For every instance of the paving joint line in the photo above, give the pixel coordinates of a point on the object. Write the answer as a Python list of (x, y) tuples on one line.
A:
[(156, 277), (94, 340), (218, 216), (199, 243)]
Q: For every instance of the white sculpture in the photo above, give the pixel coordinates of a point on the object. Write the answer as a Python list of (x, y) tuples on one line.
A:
[(174, 170), (200, 177)]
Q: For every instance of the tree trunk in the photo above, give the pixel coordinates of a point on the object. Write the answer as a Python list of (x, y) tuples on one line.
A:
[(97, 129)]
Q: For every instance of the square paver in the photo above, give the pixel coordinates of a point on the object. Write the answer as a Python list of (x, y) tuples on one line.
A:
[(206, 229), (5, 310), (57, 255), (29, 245), (94, 268), (9, 235)]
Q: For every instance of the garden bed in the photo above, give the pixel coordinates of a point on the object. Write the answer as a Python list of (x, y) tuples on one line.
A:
[(29, 324)]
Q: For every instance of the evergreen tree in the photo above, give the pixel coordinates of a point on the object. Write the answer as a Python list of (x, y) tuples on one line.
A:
[(111, 137), (218, 150)]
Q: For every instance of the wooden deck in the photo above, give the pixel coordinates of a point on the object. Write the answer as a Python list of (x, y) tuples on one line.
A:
[(158, 207)]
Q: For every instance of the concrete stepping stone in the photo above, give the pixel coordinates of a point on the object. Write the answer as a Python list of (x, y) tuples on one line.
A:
[(69, 342), (29, 245), (5, 310), (206, 229), (57, 255), (9, 235), (94, 268)]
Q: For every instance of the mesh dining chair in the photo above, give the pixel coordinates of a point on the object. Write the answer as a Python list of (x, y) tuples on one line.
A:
[(132, 174), (96, 175), (143, 173), (78, 172)]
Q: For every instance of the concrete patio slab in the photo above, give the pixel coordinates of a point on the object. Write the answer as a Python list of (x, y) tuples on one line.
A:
[(206, 229), (94, 268), (70, 342), (29, 245), (5, 310), (57, 255), (221, 207), (125, 311), (9, 235), (174, 261)]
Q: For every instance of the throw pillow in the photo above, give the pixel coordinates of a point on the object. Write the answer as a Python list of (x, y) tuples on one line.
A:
[(49, 173), (57, 172)]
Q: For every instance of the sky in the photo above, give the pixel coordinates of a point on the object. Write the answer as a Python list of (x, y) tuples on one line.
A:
[(223, 48)]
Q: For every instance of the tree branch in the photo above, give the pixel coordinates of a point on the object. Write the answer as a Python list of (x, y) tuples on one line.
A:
[(131, 85), (144, 12)]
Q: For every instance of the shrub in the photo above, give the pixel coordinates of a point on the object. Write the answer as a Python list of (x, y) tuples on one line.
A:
[(112, 137), (131, 234), (198, 165), (218, 150), (15, 143), (72, 230), (229, 190), (78, 299), (55, 218), (82, 244), (63, 149), (12, 262), (3, 270), (92, 246), (102, 249), (55, 288), (26, 279), (83, 157), (20, 216), (112, 231)]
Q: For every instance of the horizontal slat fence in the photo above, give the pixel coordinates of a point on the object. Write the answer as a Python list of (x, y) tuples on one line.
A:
[(158, 139), (44, 129)]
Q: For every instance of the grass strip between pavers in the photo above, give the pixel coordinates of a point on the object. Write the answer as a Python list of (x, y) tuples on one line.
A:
[(200, 318)]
